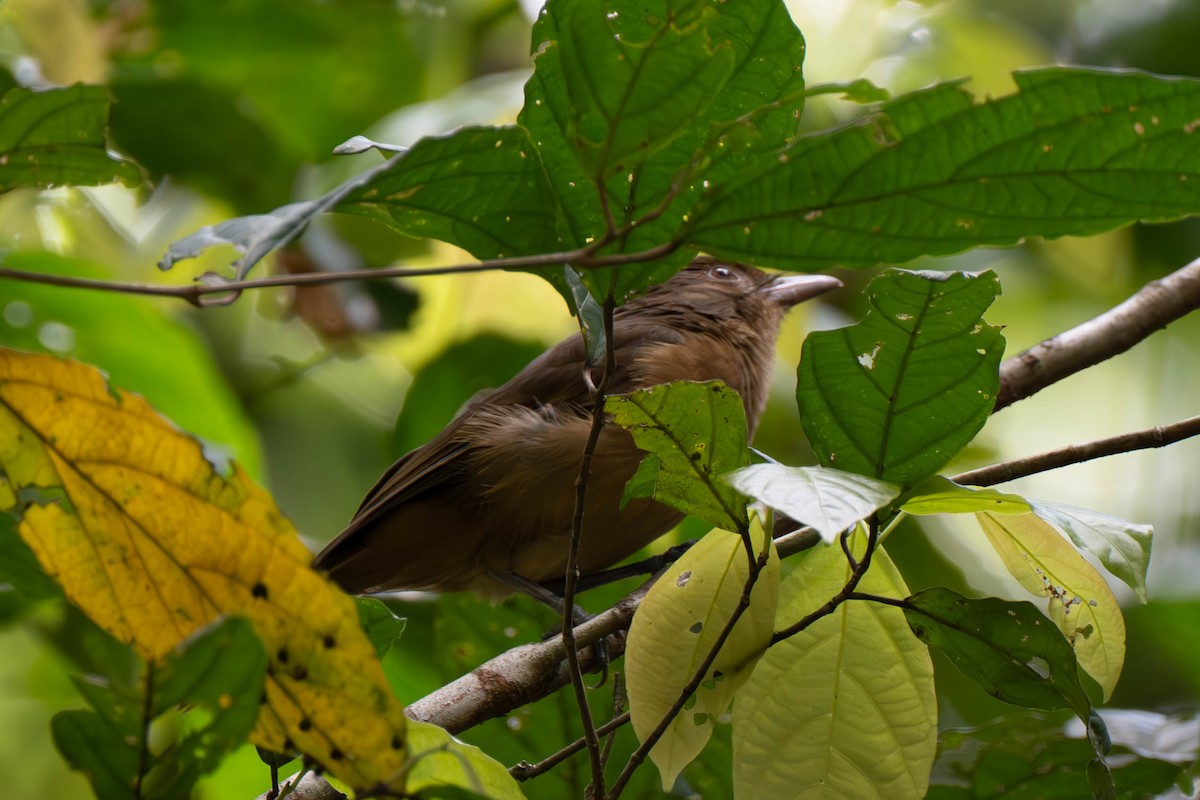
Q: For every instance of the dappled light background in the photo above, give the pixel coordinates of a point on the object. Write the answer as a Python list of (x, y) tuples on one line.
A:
[(234, 108)]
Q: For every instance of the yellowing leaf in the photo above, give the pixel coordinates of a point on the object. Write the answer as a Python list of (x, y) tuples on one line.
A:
[(677, 625), (845, 708), (1081, 604), (152, 543)]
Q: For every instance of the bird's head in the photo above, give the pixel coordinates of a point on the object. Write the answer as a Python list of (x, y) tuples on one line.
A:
[(721, 292)]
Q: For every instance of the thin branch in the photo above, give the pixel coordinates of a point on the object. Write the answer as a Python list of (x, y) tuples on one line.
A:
[(524, 770), (843, 594), (1158, 436), (571, 577), (1152, 308)]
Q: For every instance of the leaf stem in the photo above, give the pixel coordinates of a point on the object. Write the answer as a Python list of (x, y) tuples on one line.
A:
[(843, 594)]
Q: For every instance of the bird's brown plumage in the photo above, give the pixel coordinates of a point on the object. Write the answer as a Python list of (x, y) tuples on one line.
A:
[(494, 492)]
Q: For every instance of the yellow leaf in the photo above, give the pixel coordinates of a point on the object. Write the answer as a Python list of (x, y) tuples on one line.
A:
[(151, 542), (845, 708), (1081, 604), (677, 625)]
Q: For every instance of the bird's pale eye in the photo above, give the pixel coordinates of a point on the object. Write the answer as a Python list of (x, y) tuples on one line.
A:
[(723, 273)]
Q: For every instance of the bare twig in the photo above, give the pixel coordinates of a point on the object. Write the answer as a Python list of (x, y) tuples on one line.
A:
[(1152, 308), (1158, 436), (571, 577), (524, 771)]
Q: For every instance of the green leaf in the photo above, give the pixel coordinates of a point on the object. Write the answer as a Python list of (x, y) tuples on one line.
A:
[(1028, 757), (19, 567), (845, 708), (675, 628), (940, 495), (442, 766), (1073, 152), (1122, 547), (897, 395), (1010, 649), (697, 432), (221, 669), (56, 138), (653, 106), (482, 189), (382, 627), (827, 499)]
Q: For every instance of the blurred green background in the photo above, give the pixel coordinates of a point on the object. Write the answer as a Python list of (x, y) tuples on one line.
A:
[(234, 106)]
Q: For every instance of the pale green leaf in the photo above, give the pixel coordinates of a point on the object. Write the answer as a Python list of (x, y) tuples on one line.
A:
[(940, 495), (1122, 547), (439, 761), (1081, 604), (845, 708), (677, 625), (829, 500)]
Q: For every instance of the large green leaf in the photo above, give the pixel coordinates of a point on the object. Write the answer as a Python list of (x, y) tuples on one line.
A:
[(694, 433), (56, 138), (1010, 649), (897, 395), (649, 107), (1073, 152), (845, 708), (482, 189), (1027, 757)]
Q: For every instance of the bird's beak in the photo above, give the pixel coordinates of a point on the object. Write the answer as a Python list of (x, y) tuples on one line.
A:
[(788, 290)]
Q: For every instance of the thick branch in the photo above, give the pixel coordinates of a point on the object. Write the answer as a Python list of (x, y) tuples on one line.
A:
[(1152, 308)]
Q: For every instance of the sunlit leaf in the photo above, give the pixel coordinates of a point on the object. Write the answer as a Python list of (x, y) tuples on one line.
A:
[(696, 432), (674, 630), (1122, 547), (1010, 649), (1081, 604), (56, 138), (897, 395), (845, 708), (940, 495), (829, 500), (1073, 152), (153, 543)]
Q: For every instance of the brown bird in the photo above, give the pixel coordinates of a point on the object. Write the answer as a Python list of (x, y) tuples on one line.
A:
[(492, 496)]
